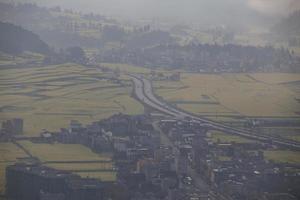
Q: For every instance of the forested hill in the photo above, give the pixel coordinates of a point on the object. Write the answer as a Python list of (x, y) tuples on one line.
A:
[(15, 40)]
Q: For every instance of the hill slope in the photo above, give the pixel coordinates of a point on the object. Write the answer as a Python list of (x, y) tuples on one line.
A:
[(15, 40)]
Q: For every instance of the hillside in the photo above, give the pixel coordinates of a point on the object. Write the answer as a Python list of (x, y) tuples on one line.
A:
[(15, 40)]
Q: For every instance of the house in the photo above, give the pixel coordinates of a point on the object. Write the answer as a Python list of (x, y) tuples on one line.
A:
[(40, 178), (83, 189), (36, 182)]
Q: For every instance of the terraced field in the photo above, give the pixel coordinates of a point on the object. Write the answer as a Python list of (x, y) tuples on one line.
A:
[(224, 96), (25, 57), (48, 97)]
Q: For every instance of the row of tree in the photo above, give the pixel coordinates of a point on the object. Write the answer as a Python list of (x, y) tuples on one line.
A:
[(206, 57)]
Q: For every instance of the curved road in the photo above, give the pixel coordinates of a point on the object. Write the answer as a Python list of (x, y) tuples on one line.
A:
[(144, 92)]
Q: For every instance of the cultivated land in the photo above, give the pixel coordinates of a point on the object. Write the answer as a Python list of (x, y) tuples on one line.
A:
[(292, 157), (70, 157), (126, 68), (217, 136), (234, 98), (73, 157), (221, 96), (277, 156), (61, 152), (48, 97), (25, 57)]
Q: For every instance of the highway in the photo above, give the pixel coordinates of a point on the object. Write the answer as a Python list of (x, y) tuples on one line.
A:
[(144, 93)]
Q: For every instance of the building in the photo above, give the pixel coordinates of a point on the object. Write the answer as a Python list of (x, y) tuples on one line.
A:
[(13, 126), (74, 126), (25, 182), (36, 182), (84, 189)]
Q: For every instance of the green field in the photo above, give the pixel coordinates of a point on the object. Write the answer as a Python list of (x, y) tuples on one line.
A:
[(233, 95), (48, 97)]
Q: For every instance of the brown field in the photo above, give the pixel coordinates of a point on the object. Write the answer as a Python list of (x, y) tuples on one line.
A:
[(73, 152), (252, 95)]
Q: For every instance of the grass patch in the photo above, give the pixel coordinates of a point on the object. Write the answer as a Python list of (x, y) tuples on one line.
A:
[(224, 158), (61, 152), (221, 137), (82, 166), (126, 68), (283, 156)]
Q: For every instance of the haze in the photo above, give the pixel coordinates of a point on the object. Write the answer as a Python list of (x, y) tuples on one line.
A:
[(201, 11)]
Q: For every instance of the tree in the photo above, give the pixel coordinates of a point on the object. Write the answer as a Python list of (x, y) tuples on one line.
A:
[(113, 33), (76, 54)]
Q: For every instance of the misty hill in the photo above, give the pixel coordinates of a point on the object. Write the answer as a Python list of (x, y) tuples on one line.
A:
[(289, 25), (59, 28), (15, 40), (203, 12), (64, 28)]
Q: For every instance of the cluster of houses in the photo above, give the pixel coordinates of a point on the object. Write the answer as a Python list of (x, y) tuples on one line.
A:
[(236, 170), (184, 163), (10, 128), (35, 182)]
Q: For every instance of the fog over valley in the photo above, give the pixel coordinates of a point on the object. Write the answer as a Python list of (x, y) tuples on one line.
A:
[(149, 99), (203, 12)]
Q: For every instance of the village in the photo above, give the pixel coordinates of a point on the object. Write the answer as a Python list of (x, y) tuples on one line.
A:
[(154, 158)]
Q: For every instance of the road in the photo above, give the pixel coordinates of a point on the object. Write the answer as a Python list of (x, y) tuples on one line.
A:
[(144, 93), (198, 180)]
